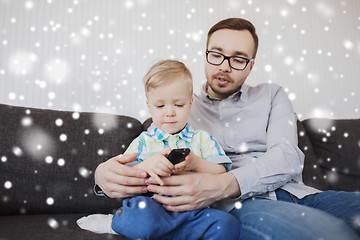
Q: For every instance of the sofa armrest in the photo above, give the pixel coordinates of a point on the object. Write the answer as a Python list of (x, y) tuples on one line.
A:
[(336, 144), (313, 174), (48, 159)]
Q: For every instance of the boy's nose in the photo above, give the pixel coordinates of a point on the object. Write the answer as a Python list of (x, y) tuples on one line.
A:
[(170, 112)]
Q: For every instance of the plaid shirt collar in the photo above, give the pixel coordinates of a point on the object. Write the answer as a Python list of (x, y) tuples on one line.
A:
[(186, 134)]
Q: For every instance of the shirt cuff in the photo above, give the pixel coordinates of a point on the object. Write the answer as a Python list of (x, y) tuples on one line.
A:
[(221, 159), (98, 191), (245, 177)]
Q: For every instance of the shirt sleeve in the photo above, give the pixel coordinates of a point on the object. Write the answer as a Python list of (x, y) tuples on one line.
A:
[(98, 191), (212, 151), (138, 145), (283, 160)]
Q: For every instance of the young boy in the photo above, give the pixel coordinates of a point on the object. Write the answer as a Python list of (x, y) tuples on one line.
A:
[(168, 88)]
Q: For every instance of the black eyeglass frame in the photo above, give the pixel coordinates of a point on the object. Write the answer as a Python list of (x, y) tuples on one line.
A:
[(227, 58)]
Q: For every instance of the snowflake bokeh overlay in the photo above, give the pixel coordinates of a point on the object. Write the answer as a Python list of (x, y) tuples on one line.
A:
[(82, 55)]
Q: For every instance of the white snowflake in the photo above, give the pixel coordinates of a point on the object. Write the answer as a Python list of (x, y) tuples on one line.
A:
[(141, 204), (50, 201), (84, 172), (53, 223), (8, 184), (61, 162)]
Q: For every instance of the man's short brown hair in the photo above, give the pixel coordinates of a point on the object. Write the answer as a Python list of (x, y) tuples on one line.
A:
[(236, 24)]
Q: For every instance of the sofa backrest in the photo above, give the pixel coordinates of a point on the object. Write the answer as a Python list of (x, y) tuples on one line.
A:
[(48, 158)]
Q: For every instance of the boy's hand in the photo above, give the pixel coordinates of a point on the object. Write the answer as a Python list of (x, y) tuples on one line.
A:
[(191, 162), (157, 165)]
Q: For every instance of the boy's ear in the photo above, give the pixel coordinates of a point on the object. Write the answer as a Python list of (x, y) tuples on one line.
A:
[(148, 105)]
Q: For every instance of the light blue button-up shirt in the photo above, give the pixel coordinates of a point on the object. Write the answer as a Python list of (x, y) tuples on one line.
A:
[(256, 127)]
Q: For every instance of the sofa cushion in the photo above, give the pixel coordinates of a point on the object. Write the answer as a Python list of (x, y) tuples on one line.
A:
[(47, 158), (336, 144), (47, 226)]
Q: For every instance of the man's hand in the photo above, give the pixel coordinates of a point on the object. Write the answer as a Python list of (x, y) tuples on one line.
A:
[(118, 180), (194, 190), (157, 165)]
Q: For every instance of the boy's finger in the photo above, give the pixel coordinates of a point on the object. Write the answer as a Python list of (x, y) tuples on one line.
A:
[(156, 177), (181, 165), (167, 165), (165, 151), (163, 172)]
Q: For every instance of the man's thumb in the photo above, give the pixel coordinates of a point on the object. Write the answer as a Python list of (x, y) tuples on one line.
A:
[(126, 158)]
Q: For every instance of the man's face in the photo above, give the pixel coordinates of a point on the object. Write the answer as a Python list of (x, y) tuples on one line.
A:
[(223, 80)]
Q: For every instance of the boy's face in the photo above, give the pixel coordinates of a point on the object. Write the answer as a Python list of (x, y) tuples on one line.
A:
[(222, 79), (170, 105)]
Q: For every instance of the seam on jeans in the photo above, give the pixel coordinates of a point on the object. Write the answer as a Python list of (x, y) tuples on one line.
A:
[(293, 198), (255, 231)]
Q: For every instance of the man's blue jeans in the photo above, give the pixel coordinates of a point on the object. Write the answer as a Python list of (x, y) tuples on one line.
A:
[(325, 215)]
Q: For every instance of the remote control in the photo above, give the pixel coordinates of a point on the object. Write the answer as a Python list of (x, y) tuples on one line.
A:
[(178, 155)]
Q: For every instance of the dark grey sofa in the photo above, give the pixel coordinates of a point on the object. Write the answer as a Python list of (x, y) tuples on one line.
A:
[(47, 161)]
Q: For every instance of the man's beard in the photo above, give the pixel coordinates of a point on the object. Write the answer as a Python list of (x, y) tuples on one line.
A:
[(220, 90)]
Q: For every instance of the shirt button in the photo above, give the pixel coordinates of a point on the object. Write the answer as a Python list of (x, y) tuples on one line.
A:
[(223, 104), (227, 124)]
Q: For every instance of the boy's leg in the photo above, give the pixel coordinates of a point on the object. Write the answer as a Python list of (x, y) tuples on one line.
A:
[(343, 205), (141, 217), (268, 219), (144, 218)]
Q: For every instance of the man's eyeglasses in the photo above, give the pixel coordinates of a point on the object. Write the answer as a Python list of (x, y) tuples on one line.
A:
[(235, 62)]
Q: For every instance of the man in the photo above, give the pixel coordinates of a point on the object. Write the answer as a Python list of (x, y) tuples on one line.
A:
[(256, 126)]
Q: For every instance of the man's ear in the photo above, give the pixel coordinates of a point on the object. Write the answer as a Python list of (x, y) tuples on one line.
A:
[(252, 64)]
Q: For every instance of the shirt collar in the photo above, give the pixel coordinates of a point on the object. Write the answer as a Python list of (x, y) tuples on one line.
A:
[(242, 94), (159, 135)]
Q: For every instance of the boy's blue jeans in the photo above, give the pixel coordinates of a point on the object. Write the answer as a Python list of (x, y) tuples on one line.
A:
[(325, 215), (144, 218)]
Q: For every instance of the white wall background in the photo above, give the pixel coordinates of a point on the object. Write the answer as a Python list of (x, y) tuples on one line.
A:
[(87, 55)]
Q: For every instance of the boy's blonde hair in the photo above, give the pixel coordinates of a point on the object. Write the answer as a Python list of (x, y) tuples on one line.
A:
[(165, 72)]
